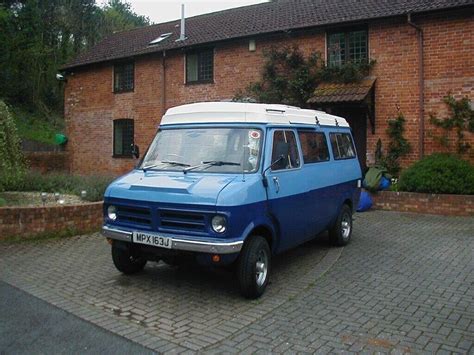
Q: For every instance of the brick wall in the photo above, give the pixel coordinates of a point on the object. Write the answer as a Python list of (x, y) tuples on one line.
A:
[(46, 162), (446, 205), (30, 221), (91, 106)]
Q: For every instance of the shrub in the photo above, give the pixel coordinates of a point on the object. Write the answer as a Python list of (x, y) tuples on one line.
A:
[(290, 77), (439, 173), (398, 146), (12, 162), (63, 183)]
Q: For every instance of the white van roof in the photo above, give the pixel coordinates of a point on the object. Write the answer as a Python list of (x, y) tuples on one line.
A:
[(232, 112)]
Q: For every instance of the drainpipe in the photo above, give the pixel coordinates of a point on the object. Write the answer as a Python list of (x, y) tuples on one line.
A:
[(421, 84), (163, 83)]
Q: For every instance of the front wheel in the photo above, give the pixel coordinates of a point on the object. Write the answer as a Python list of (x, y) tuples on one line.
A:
[(125, 260), (253, 267), (341, 232)]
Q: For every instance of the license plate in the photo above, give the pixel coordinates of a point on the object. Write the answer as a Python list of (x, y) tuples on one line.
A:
[(152, 239)]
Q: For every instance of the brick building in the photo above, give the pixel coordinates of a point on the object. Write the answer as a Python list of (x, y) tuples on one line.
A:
[(117, 91)]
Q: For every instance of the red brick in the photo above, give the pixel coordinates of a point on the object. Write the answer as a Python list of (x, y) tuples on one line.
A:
[(91, 106)]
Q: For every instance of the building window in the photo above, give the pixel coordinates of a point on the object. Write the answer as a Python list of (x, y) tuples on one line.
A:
[(124, 77), (347, 47), (314, 146), (123, 138), (342, 146), (200, 66)]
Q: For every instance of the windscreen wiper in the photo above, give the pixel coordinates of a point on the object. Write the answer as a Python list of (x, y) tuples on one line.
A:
[(209, 163), (177, 163)]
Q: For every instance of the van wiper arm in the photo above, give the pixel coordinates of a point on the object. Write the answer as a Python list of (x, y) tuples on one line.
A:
[(210, 163)]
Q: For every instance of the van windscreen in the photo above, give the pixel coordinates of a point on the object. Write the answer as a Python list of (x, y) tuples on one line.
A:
[(226, 150)]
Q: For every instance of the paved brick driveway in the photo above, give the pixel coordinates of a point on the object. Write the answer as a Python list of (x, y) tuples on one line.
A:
[(405, 284)]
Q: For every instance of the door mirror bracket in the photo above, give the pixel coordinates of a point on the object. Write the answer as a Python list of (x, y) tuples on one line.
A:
[(275, 162)]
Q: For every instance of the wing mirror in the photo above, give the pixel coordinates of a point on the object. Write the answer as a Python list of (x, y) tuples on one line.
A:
[(135, 151)]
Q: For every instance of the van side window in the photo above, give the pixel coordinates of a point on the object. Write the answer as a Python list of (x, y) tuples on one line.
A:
[(284, 143), (314, 146), (342, 145)]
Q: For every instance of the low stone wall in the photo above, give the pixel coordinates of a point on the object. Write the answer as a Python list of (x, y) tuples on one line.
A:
[(31, 221), (46, 162), (440, 204)]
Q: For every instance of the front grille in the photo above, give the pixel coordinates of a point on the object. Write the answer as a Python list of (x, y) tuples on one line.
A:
[(181, 220), (134, 215)]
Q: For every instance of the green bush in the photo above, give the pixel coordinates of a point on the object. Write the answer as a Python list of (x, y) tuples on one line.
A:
[(439, 173), (62, 183), (12, 162)]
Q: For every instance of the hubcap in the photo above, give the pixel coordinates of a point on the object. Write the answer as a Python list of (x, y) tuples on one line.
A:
[(346, 226), (261, 268)]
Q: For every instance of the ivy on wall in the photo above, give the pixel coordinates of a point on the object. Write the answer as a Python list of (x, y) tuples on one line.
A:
[(461, 120), (288, 77), (12, 162), (398, 146)]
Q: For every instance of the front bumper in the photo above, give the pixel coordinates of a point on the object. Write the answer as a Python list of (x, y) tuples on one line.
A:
[(178, 243)]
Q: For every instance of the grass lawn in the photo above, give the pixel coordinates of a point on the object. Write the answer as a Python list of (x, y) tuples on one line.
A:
[(36, 126)]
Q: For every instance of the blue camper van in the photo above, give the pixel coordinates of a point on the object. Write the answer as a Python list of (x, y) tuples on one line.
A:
[(232, 184)]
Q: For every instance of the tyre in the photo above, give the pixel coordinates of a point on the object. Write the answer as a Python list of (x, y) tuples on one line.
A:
[(125, 260), (341, 232), (253, 267)]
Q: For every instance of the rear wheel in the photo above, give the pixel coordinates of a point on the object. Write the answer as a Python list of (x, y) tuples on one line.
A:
[(341, 232), (253, 267), (125, 260)]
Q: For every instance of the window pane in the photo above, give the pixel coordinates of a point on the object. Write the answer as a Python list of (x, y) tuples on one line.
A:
[(336, 49), (284, 143), (127, 77), (342, 145), (346, 145), (238, 146), (206, 65), (123, 137), (354, 41), (191, 67), (358, 46), (123, 77), (314, 147), (118, 139)]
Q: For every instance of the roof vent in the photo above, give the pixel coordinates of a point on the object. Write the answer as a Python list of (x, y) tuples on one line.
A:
[(159, 39)]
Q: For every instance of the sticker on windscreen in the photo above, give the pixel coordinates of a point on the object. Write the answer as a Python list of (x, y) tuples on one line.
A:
[(254, 134)]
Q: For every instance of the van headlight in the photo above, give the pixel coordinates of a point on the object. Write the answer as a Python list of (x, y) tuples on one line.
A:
[(112, 212), (219, 224)]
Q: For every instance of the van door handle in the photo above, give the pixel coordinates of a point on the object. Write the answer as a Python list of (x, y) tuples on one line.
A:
[(277, 183)]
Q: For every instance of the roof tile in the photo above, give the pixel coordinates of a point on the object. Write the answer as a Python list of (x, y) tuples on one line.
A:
[(337, 92), (253, 20)]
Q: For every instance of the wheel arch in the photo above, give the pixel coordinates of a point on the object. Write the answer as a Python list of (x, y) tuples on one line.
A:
[(348, 202), (266, 233)]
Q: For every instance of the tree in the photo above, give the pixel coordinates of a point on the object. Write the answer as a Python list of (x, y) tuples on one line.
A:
[(38, 37), (118, 16)]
